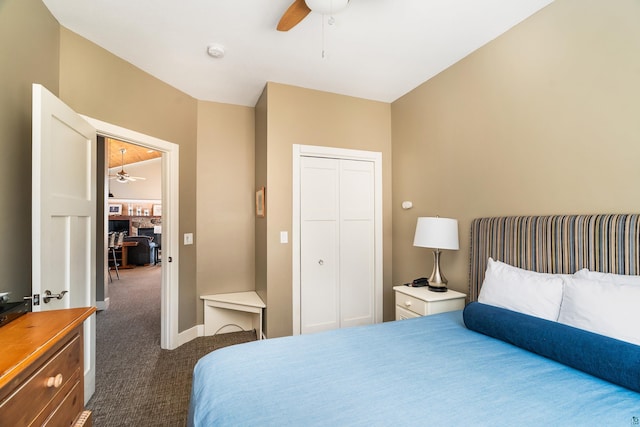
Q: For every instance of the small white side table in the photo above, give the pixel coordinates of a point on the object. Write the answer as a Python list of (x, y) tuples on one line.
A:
[(416, 302), (225, 313)]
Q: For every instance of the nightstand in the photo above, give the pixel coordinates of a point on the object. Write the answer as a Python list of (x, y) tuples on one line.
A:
[(416, 302)]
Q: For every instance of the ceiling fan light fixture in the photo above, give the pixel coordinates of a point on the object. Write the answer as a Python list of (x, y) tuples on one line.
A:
[(327, 7), (122, 177)]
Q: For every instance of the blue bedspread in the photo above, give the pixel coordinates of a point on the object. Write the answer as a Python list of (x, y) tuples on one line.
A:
[(428, 371)]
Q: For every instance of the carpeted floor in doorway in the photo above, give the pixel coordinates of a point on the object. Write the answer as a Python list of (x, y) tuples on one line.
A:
[(137, 383)]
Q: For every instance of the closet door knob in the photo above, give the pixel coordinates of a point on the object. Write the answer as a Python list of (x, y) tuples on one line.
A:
[(321, 262)]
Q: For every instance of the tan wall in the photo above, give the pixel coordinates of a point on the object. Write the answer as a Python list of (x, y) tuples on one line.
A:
[(542, 120), (100, 85), (261, 181), (28, 54), (308, 117), (226, 209)]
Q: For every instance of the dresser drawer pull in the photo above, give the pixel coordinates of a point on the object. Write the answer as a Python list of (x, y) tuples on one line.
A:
[(407, 303), (54, 382)]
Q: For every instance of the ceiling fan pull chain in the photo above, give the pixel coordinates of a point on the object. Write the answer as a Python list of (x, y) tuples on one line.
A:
[(323, 18)]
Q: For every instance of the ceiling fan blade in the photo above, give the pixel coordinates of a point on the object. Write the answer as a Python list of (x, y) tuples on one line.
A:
[(293, 15)]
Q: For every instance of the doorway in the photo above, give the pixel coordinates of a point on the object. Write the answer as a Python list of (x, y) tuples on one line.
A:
[(332, 165), (134, 217), (169, 338), (134, 184)]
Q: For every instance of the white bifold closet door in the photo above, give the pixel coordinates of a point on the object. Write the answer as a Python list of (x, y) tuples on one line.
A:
[(337, 272)]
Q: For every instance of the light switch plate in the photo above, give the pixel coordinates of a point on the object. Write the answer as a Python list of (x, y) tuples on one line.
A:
[(188, 238), (284, 237)]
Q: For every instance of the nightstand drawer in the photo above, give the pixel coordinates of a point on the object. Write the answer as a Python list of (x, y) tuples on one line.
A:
[(402, 314), (424, 302), (444, 306), (410, 303)]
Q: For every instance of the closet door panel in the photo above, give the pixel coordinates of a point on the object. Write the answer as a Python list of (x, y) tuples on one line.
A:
[(319, 189), (319, 275), (356, 275), (357, 190), (319, 257), (357, 250)]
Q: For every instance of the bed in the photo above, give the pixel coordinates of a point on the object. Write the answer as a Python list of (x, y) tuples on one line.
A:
[(487, 365)]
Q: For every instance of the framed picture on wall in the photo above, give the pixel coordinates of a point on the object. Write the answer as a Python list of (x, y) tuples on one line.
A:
[(115, 209), (260, 202), (157, 210)]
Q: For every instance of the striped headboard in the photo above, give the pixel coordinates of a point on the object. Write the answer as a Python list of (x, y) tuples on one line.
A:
[(556, 244)]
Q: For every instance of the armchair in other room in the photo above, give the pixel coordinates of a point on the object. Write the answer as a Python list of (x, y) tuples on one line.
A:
[(143, 253), (155, 233)]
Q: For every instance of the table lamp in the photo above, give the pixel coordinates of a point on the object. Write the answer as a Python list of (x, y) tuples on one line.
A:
[(437, 233)]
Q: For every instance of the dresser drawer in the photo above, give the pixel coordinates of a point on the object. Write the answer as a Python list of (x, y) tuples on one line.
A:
[(48, 387), (69, 408), (410, 303)]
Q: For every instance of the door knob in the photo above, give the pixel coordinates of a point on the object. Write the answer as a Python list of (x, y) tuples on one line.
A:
[(48, 296), (321, 262)]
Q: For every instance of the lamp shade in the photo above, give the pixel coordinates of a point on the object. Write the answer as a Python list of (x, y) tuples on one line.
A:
[(437, 233)]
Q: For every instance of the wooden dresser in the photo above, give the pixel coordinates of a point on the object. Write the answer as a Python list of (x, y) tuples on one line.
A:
[(41, 369)]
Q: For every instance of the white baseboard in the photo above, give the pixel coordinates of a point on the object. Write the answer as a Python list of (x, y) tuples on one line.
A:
[(195, 332), (103, 305), (190, 334)]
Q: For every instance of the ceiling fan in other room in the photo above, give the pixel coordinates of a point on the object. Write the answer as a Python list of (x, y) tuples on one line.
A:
[(299, 9), (123, 177)]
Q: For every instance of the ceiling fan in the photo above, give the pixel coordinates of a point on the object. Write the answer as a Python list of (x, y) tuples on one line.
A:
[(123, 177), (299, 9)]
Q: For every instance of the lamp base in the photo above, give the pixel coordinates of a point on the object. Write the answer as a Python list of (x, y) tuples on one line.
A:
[(437, 281)]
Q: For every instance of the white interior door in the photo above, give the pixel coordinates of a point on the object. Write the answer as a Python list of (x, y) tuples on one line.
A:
[(319, 254), (357, 250), (359, 254), (337, 251), (63, 213)]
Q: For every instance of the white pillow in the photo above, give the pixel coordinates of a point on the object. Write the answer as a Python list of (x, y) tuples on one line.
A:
[(617, 279), (603, 308), (524, 291)]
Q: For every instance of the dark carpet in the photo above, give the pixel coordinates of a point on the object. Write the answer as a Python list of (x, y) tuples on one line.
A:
[(137, 383)]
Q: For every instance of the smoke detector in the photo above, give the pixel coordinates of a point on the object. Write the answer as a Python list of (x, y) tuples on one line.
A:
[(215, 51)]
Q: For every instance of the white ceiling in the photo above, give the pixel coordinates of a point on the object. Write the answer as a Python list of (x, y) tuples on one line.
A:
[(376, 49)]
